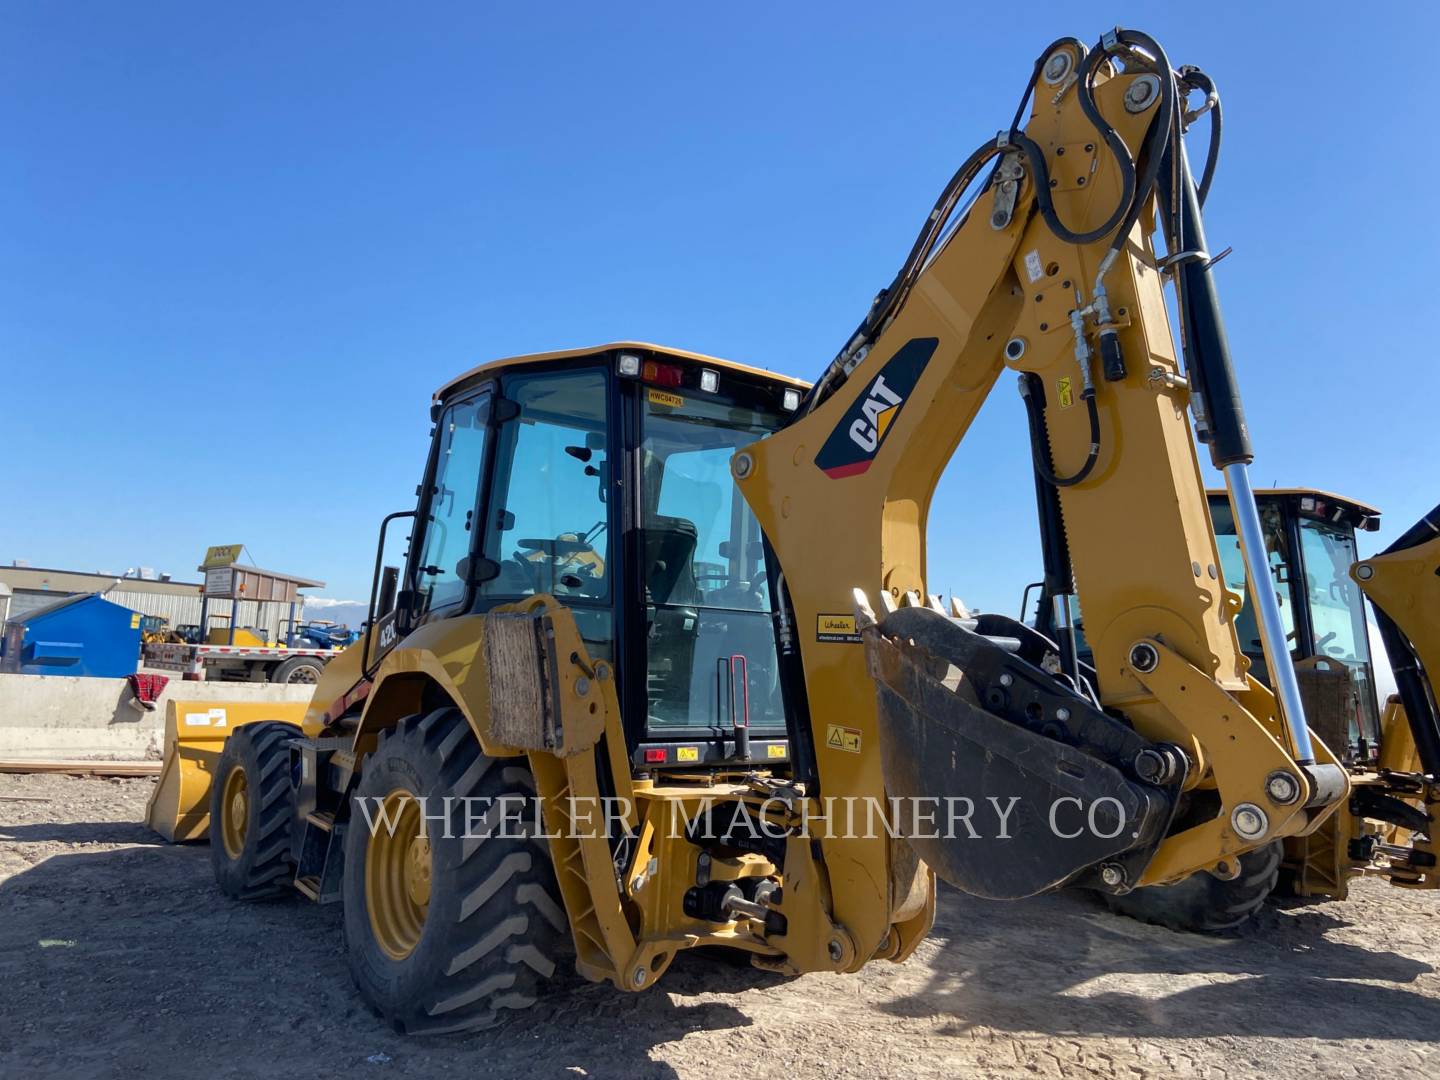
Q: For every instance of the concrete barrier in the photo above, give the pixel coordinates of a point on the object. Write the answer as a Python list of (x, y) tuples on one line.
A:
[(59, 716)]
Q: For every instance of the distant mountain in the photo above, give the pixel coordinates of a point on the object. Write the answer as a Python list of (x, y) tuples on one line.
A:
[(349, 613)]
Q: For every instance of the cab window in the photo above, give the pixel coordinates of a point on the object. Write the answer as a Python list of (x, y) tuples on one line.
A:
[(448, 520), (548, 527), (711, 657)]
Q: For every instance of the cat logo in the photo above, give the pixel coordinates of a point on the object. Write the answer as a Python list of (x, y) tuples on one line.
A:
[(880, 407), (862, 430)]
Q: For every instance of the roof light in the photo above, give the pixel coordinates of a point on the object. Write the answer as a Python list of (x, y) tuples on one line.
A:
[(791, 400), (709, 380), (662, 374), (629, 364)]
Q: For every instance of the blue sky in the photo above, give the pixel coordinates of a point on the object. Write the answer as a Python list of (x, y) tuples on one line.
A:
[(243, 243)]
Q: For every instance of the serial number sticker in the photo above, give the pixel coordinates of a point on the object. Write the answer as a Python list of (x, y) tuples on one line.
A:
[(842, 738), (1067, 392), (660, 397), (1033, 270), (835, 628), (775, 750), (687, 753)]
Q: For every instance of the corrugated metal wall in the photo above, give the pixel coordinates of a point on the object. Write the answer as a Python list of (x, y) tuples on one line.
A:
[(178, 609)]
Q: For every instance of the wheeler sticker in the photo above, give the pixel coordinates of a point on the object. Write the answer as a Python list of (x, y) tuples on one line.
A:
[(856, 440), (842, 738), (660, 397), (836, 628)]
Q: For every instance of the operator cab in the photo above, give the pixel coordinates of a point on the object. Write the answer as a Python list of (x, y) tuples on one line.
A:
[(602, 477), (1310, 545)]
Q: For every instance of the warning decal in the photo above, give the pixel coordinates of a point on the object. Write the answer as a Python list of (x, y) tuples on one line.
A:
[(687, 753), (842, 738), (1066, 392), (835, 628)]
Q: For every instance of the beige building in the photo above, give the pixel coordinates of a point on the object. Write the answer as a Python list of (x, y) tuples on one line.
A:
[(179, 601)]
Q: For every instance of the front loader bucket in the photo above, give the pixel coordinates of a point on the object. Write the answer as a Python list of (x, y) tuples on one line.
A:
[(195, 733), (1029, 786)]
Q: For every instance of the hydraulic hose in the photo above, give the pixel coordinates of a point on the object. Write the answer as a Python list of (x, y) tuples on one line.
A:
[(1030, 390)]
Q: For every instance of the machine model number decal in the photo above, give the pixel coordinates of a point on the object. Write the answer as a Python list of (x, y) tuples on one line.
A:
[(1066, 392), (852, 446), (842, 738), (835, 628), (660, 397)]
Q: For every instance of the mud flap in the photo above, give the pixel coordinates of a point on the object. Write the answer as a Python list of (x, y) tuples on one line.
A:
[(969, 720)]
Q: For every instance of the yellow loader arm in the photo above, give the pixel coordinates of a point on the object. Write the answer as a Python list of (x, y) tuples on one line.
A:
[(1164, 741)]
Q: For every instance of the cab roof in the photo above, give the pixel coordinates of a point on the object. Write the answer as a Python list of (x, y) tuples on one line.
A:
[(1364, 510), (491, 367)]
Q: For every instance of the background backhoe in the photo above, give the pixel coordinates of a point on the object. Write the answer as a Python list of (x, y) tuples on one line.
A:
[(661, 670)]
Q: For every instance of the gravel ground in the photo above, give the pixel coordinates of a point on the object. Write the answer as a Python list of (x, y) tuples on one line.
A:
[(118, 958)]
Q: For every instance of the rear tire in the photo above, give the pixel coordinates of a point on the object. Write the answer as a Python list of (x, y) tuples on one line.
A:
[(1204, 903), (297, 671), (252, 808), (492, 927)]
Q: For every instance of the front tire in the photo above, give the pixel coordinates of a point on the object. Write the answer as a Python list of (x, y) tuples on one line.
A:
[(448, 933), (1203, 903), (252, 809)]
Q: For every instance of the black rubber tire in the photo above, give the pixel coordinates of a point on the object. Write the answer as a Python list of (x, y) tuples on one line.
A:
[(284, 672), (264, 869), (1203, 903), (495, 927)]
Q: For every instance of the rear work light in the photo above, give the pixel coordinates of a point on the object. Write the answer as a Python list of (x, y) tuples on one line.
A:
[(628, 364), (791, 401), (709, 380)]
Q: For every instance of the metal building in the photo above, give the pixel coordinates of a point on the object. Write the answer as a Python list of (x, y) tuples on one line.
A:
[(178, 601)]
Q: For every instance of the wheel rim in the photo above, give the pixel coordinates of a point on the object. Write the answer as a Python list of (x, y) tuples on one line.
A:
[(304, 674), (235, 812), (397, 876)]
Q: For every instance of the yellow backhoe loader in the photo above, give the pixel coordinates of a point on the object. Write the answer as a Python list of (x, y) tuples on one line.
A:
[(661, 670)]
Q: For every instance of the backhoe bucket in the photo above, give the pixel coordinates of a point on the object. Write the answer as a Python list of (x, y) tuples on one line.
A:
[(195, 733), (1029, 786)]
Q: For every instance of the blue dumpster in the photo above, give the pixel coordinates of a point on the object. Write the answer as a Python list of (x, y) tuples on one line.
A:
[(79, 635)]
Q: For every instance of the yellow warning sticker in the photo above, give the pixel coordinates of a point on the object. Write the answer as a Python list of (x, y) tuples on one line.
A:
[(776, 749), (660, 397), (135, 621), (835, 628), (842, 738), (687, 753), (1067, 392)]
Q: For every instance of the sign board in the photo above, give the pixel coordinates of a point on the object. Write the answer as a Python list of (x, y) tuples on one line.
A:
[(221, 555), (220, 582)]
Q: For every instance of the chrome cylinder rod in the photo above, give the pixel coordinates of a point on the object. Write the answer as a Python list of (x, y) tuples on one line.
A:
[(1267, 610)]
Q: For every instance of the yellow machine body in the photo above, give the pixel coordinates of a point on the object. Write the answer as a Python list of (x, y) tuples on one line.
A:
[(842, 494), (195, 733)]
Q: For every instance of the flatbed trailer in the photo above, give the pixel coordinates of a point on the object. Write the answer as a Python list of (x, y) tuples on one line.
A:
[(239, 663)]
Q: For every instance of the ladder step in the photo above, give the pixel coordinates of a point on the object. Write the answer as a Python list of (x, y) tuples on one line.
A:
[(321, 819), (310, 886)]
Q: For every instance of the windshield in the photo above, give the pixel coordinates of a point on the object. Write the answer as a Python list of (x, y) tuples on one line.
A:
[(711, 642)]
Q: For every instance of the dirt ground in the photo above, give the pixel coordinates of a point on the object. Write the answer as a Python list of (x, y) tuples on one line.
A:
[(118, 958)]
